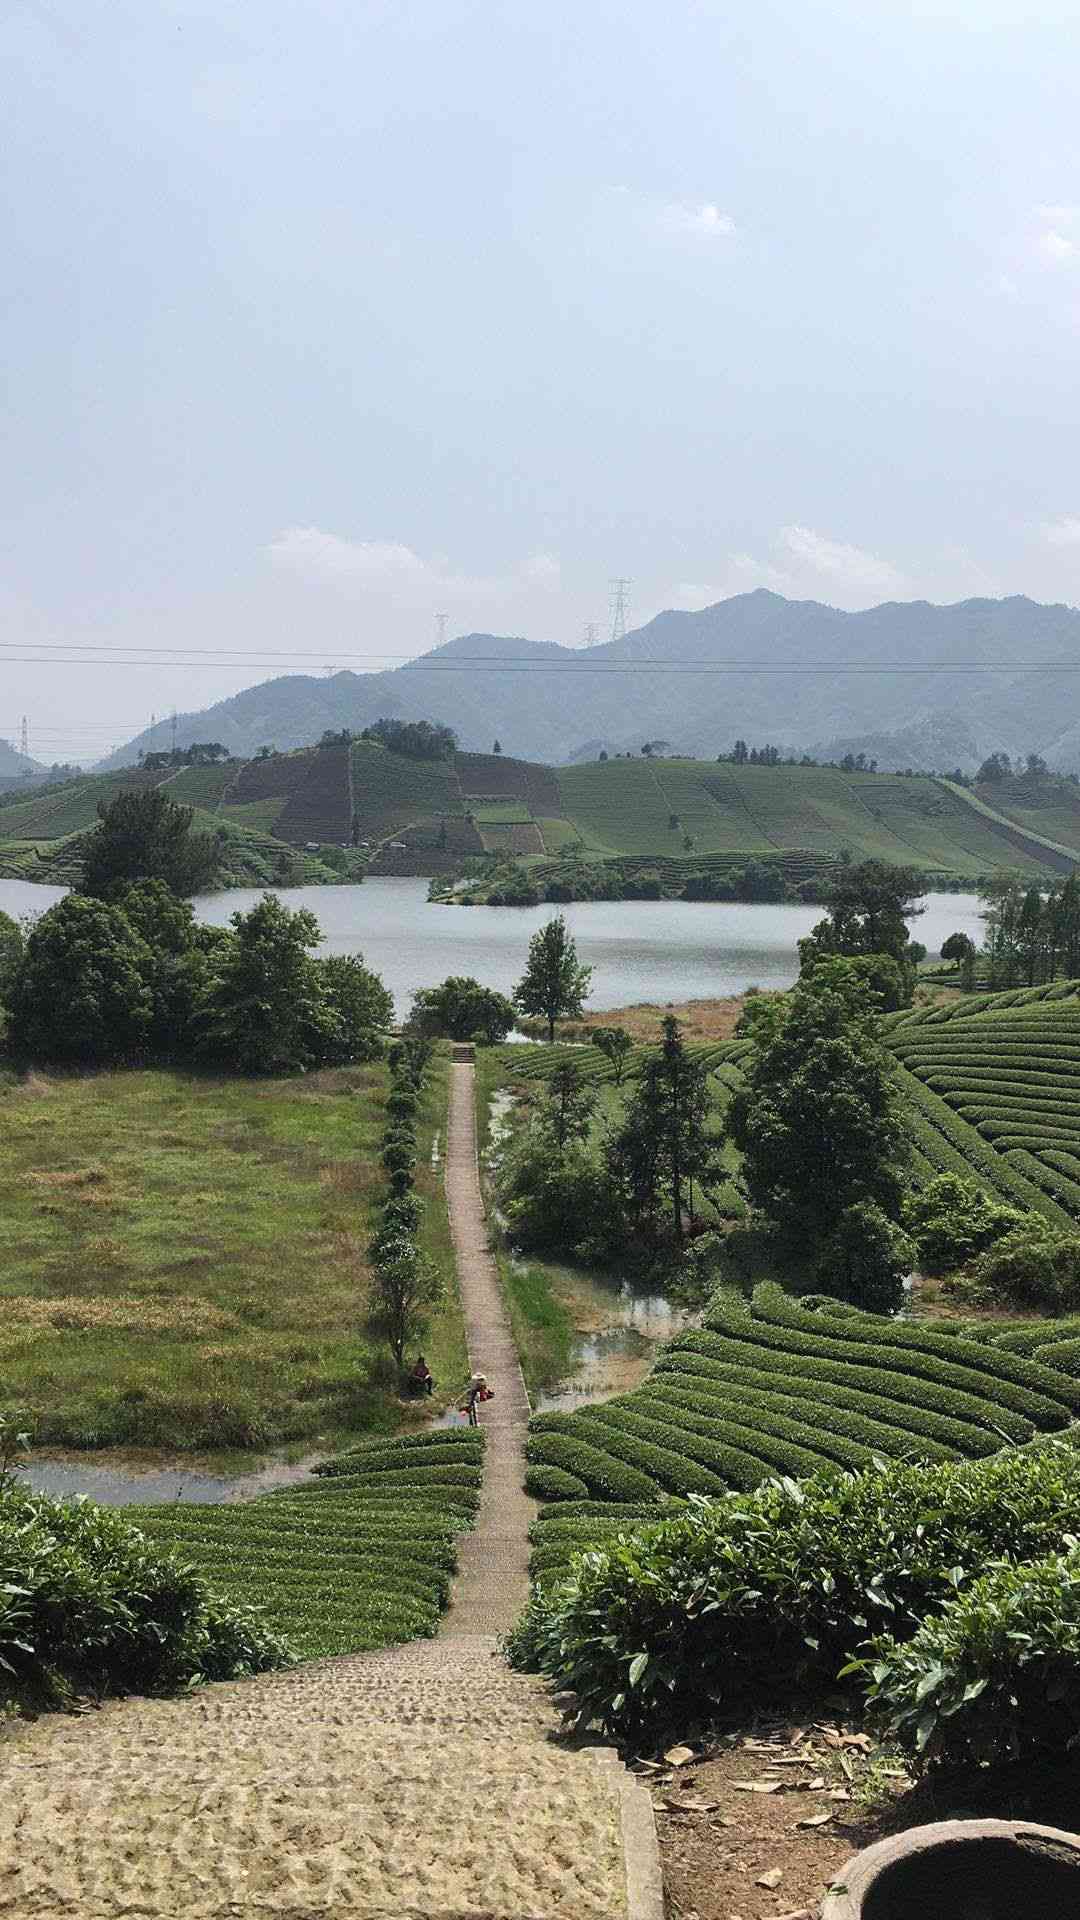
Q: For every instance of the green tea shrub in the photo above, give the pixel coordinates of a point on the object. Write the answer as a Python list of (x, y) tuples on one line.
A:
[(765, 1591), (1032, 1267), (993, 1677), (88, 1604), (554, 1483)]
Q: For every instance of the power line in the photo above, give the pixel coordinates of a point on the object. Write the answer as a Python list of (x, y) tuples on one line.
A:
[(478, 663)]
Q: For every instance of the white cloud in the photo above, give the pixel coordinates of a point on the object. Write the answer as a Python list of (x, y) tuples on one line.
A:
[(705, 218), (848, 566), (1064, 532), (1056, 246), (327, 556), (1062, 216), (396, 578), (801, 564), (543, 570)]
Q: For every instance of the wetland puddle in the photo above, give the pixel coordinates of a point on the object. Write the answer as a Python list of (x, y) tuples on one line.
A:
[(138, 1483)]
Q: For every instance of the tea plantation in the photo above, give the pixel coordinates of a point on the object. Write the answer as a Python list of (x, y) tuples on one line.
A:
[(995, 1090), (361, 1557), (779, 1386)]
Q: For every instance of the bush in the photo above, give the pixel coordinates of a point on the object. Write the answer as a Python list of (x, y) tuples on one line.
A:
[(86, 1604), (554, 1483), (865, 1259), (1031, 1266), (994, 1677), (954, 1219), (770, 1590), (555, 1201)]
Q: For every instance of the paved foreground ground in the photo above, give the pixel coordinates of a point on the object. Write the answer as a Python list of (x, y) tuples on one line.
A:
[(419, 1783)]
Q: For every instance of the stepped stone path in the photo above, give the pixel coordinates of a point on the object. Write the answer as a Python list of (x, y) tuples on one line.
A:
[(421, 1782)]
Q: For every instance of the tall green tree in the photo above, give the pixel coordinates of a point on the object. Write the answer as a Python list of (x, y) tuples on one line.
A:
[(869, 904), (82, 991), (616, 1045), (362, 1007), (818, 1120), (461, 1009), (570, 1104), (145, 836), (266, 1009), (663, 1145), (554, 983)]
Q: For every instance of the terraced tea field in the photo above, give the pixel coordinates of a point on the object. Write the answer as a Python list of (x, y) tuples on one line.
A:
[(360, 1557), (993, 1087), (782, 1386), (695, 814)]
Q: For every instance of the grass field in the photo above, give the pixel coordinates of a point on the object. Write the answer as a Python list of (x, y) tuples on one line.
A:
[(183, 1258), (360, 1558), (780, 1386)]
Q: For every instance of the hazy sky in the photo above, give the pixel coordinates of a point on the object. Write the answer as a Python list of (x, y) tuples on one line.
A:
[(322, 316)]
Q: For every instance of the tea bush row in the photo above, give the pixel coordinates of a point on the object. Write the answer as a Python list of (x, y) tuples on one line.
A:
[(360, 1557), (759, 1594)]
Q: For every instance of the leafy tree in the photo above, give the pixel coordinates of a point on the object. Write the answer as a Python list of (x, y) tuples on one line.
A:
[(616, 1045), (869, 904), (360, 1004), (417, 739), (405, 1287), (145, 836), (663, 1145), (1033, 1267), (818, 1121), (554, 983), (12, 946), (957, 947), (951, 1220), (996, 767), (266, 1010), (865, 1258), (497, 748), (570, 1104), (178, 959), (82, 991), (462, 1009)]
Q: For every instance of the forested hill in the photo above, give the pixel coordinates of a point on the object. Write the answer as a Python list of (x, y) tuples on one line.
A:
[(344, 808), (805, 676)]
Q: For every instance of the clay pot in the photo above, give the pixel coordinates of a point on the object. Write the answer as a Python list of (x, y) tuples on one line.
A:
[(962, 1870)]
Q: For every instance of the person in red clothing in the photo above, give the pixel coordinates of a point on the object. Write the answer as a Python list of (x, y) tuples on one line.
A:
[(476, 1391)]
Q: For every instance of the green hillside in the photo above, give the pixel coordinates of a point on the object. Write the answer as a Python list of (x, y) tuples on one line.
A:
[(416, 816)]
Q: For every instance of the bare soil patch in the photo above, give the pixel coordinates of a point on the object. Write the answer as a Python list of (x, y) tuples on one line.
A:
[(761, 1820)]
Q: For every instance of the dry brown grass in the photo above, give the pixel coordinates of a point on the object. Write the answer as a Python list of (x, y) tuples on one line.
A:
[(701, 1020)]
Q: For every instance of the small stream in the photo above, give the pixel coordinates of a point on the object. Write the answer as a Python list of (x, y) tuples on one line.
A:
[(618, 1328)]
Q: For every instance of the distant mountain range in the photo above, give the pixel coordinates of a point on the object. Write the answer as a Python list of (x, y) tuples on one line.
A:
[(907, 683)]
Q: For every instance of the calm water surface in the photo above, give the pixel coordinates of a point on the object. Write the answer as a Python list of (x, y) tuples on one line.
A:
[(656, 950)]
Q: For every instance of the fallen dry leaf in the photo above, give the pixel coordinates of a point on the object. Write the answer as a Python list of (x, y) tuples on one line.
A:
[(771, 1879), (679, 1756), (815, 1820), (687, 1803), (758, 1786), (860, 1740)]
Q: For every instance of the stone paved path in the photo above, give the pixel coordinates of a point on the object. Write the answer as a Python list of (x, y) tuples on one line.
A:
[(418, 1783), (493, 1584)]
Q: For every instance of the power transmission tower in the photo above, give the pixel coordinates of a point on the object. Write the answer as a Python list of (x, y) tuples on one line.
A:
[(24, 739), (173, 724), (592, 634), (440, 625), (618, 601)]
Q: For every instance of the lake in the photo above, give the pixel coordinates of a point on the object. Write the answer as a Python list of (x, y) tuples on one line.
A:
[(659, 950)]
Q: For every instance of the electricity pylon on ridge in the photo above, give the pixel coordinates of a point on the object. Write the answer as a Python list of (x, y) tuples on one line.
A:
[(618, 602), (24, 738), (592, 634), (440, 625)]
